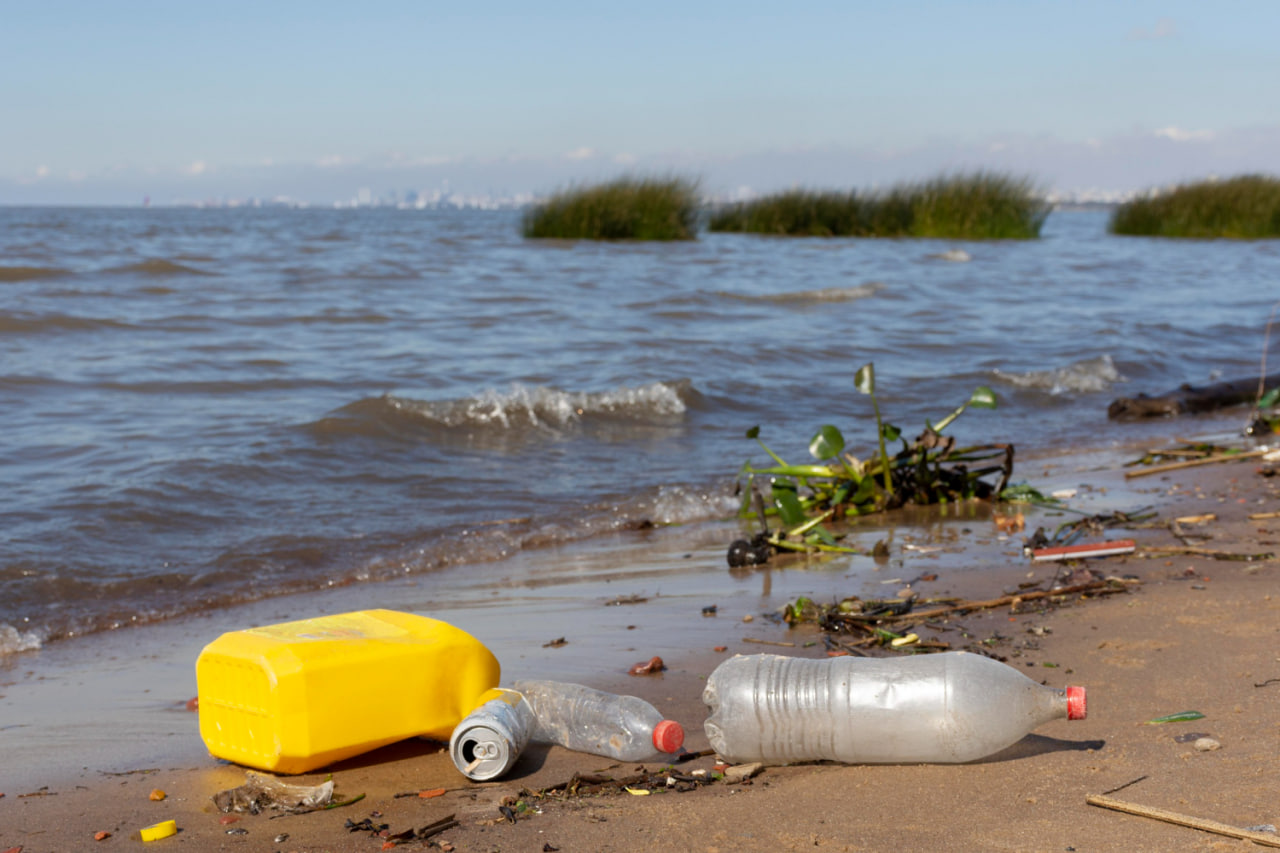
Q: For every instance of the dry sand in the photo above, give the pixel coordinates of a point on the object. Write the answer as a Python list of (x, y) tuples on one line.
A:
[(84, 742)]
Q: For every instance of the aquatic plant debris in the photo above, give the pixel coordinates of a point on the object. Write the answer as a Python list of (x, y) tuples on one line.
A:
[(805, 496)]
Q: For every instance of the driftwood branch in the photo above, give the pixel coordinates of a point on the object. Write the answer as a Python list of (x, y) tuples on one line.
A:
[(1265, 839), (1189, 399)]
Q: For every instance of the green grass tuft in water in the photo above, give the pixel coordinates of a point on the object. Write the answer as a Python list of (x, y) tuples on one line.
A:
[(1242, 208), (625, 209), (977, 206)]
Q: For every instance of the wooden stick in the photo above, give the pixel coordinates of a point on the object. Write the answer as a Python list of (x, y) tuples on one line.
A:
[(1191, 463), (1265, 839), (1254, 516), (767, 642)]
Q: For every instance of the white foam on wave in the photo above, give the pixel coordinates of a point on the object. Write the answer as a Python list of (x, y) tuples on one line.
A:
[(551, 408), (1081, 377), (12, 640)]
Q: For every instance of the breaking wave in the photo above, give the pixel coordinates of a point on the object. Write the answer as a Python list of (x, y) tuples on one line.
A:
[(520, 409), (1081, 377), (12, 640)]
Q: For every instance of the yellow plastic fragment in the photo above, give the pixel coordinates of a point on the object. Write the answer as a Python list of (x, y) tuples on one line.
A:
[(905, 641), (160, 830), (639, 792)]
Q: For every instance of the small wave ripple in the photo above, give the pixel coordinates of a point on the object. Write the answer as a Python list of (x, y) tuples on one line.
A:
[(818, 296), (16, 274), (158, 268)]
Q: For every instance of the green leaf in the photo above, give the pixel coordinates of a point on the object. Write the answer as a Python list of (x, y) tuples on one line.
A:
[(865, 379), (754, 432), (1180, 717), (1269, 399), (827, 443), (983, 398), (784, 497), (890, 432)]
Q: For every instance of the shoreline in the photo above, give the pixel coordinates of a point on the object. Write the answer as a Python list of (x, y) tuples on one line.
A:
[(135, 684)]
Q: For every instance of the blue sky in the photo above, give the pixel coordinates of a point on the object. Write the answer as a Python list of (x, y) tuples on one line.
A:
[(108, 102)]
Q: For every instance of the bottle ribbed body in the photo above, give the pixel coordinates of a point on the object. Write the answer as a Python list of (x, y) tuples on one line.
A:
[(588, 720), (942, 708)]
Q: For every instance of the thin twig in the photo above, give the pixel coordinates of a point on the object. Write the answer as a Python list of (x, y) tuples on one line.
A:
[(1191, 463), (1266, 840)]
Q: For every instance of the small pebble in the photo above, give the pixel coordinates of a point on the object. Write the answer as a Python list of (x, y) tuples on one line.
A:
[(748, 618), (741, 772), (1206, 744)]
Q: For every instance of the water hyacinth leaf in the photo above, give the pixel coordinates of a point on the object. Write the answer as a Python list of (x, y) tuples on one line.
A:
[(1269, 399), (890, 432), (828, 442), (983, 398), (865, 379), (1180, 717), (788, 504), (754, 432)]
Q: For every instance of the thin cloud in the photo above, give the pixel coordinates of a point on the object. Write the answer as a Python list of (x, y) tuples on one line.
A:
[(583, 153), (1177, 134), (1164, 28), (199, 167)]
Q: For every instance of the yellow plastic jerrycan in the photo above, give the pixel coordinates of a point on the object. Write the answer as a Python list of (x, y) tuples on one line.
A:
[(292, 697)]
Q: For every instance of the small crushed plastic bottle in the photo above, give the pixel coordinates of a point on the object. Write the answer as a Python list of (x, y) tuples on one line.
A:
[(941, 708), (581, 718)]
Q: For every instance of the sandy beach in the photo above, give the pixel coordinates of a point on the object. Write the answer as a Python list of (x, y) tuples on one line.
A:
[(91, 727)]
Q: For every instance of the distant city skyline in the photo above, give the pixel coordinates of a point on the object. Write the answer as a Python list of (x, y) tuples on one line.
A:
[(313, 102)]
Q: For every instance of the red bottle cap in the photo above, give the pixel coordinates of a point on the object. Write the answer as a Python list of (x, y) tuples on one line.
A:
[(1076, 706), (668, 736)]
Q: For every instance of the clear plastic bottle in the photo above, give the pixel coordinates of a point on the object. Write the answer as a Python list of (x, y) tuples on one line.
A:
[(487, 742), (581, 718), (941, 708)]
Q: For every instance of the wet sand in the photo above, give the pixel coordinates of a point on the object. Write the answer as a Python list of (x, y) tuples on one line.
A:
[(89, 727)]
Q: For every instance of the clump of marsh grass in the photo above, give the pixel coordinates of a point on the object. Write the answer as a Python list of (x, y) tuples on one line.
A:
[(624, 209), (1242, 208), (977, 206)]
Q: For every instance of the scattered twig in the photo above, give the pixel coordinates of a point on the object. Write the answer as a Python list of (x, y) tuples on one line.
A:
[(1103, 587), (767, 642), (1191, 463), (1206, 552), (1125, 785), (1258, 516), (1268, 681), (1183, 820)]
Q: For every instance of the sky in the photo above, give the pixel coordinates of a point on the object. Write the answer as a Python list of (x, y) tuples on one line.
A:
[(179, 102)]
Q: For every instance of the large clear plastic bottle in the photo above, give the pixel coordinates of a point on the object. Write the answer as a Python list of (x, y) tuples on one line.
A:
[(584, 719), (941, 708)]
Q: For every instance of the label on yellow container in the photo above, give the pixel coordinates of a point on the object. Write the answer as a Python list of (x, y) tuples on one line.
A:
[(292, 697)]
